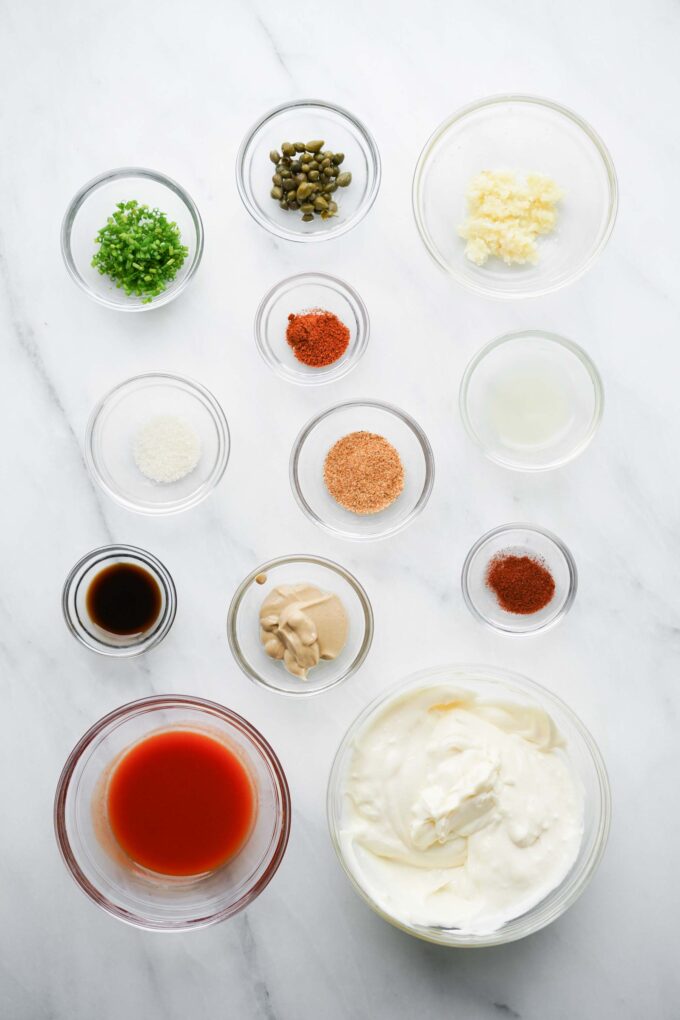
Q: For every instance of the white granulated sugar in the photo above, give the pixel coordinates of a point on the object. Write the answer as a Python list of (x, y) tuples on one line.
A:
[(166, 449)]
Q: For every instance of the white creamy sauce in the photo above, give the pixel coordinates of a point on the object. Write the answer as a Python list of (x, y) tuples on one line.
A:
[(460, 812)]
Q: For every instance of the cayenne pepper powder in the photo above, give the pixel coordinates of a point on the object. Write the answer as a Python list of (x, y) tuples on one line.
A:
[(317, 337), (522, 584)]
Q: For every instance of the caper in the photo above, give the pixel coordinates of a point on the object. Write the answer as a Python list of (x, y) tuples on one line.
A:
[(307, 207), (277, 179), (307, 217), (313, 175), (330, 188), (292, 204), (289, 185), (274, 156), (304, 191), (320, 203), (288, 149), (344, 179), (315, 146), (325, 162), (296, 167), (285, 173), (338, 158), (305, 168), (300, 146), (283, 203), (313, 164), (332, 207), (276, 193)]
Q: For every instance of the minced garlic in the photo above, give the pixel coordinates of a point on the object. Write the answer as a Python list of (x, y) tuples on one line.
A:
[(506, 214)]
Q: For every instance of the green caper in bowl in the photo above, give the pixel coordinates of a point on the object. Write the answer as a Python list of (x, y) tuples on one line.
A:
[(306, 177)]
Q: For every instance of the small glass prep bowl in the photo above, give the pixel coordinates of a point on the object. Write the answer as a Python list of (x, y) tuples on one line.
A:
[(88, 213), (320, 434), (519, 540), (118, 417), (84, 628), (526, 384), (309, 291), (584, 757), (243, 626), (524, 134), (133, 893), (302, 121)]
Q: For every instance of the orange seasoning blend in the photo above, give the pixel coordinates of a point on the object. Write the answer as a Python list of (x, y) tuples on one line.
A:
[(521, 584), (317, 337), (363, 472)]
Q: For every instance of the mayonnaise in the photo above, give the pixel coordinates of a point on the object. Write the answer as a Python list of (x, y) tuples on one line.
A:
[(459, 812)]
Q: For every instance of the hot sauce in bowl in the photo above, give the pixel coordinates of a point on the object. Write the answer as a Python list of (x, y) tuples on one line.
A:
[(181, 802)]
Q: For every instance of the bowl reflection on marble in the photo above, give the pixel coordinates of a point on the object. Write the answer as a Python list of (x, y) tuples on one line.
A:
[(125, 889), (490, 684)]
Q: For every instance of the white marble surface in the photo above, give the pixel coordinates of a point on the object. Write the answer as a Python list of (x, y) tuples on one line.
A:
[(87, 86)]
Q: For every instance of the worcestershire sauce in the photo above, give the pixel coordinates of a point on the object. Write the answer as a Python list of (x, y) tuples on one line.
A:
[(124, 599)]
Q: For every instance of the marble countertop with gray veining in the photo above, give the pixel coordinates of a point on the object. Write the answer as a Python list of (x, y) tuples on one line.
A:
[(174, 86)]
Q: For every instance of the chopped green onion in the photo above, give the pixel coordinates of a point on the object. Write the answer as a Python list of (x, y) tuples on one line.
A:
[(139, 245)]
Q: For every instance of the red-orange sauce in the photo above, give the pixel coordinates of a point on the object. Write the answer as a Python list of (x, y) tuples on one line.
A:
[(181, 803)]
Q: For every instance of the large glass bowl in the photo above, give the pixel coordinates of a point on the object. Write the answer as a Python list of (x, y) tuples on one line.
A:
[(302, 121), (89, 211), (523, 134), (127, 890), (584, 758)]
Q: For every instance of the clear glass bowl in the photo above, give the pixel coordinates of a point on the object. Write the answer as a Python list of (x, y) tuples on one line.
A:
[(299, 294), (319, 435), (130, 892), (117, 418), (532, 401), (302, 121), (243, 628), (519, 540), (91, 208), (524, 134), (84, 628), (585, 760)]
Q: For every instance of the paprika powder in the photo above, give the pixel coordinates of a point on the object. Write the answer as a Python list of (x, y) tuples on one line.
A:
[(521, 584), (317, 337)]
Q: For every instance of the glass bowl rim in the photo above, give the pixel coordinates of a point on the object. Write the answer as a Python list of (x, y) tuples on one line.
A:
[(411, 423), (224, 449), (91, 186), (342, 367), (508, 679), (269, 224), (566, 344), (279, 561), (532, 100), (562, 548), (160, 572), (143, 706)]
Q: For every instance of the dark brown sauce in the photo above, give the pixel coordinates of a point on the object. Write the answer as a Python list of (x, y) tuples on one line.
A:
[(124, 599)]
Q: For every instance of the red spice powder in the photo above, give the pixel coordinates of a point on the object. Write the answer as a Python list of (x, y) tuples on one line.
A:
[(317, 337), (522, 584)]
